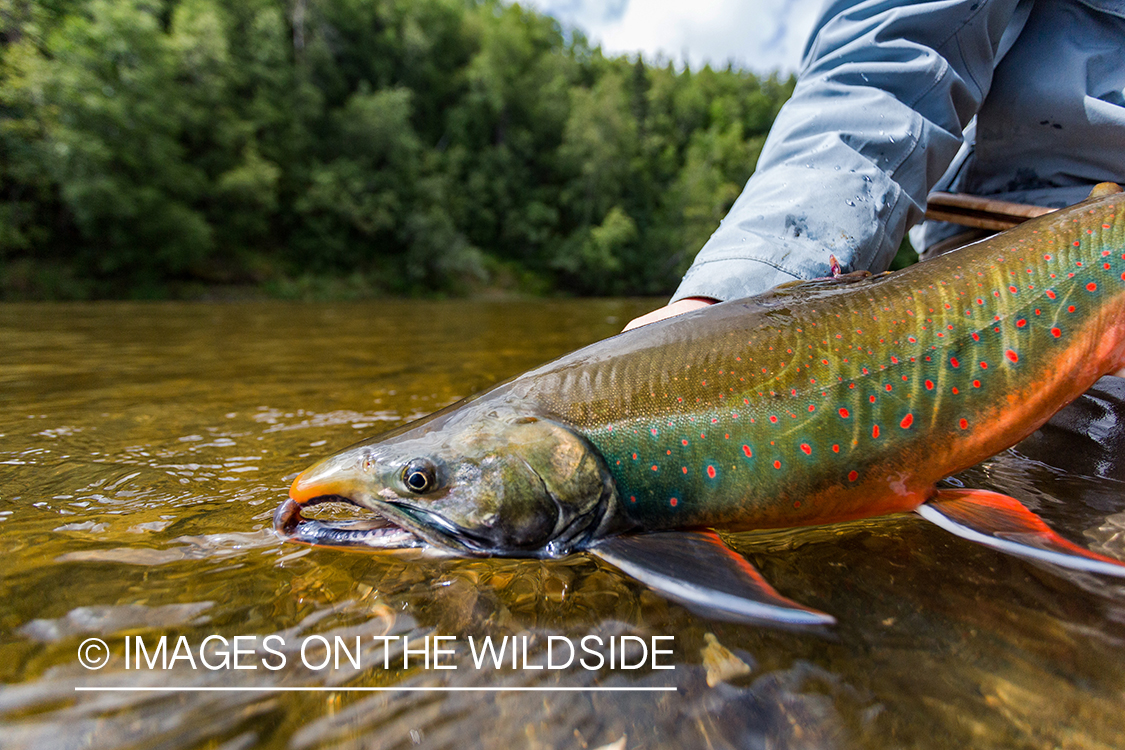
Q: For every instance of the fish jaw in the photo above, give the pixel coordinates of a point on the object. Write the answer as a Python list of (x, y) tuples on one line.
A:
[(342, 478), (490, 479)]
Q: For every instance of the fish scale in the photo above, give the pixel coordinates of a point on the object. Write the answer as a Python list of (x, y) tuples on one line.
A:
[(798, 414)]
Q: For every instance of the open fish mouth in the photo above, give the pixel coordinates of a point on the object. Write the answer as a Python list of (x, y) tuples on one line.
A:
[(375, 532)]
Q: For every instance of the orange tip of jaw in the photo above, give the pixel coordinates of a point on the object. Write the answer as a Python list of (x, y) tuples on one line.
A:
[(302, 490)]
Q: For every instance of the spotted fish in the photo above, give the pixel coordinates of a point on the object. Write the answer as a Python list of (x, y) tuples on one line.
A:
[(816, 403)]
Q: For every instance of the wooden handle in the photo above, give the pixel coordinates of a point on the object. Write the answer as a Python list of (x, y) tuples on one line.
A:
[(985, 213)]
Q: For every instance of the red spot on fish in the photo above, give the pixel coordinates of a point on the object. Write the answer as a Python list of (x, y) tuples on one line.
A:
[(976, 337), (1091, 287), (1021, 323), (1046, 257), (632, 498), (953, 361), (835, 448), (777, 464), (844, 413), (976, 384), (875, 431), (1012, 289), (634, 456), (654, 467), (906, 421), (929, 385), (964, 423), (812, 408), (1056, 332), (887, 386), (806, 448), (1076, 243), (685, 469), (684, 441), (773, 419), (1070, 308), (711, 471), (853, 475), (1050, 294), (1012, 355), (955, 391), (984, 365), (746, 449), (673, 502), (653, 430)]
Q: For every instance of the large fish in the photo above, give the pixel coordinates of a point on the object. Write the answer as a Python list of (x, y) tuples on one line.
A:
[(817, 403)]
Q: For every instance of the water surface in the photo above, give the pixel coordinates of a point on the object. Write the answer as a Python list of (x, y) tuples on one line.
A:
[(144, 447)]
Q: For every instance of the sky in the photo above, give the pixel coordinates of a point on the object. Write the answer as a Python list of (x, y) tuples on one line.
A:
[(759, 35)]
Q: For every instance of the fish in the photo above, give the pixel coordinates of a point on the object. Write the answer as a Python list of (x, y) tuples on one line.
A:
[(816, 403)]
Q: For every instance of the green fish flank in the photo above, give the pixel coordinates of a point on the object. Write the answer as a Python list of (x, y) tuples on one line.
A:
[(828, 401)]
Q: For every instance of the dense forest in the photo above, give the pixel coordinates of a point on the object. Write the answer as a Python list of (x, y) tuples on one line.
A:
[(336, 148)]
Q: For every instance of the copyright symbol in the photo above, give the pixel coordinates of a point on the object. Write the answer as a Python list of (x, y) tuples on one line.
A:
[(93, 653)]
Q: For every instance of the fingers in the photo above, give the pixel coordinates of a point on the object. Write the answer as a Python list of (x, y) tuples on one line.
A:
[(674, 308)]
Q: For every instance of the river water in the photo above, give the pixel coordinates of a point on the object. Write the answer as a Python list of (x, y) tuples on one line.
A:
[(143, 448)]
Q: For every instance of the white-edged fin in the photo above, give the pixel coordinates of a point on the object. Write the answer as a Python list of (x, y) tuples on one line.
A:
[(695, 569), (1001, 522)]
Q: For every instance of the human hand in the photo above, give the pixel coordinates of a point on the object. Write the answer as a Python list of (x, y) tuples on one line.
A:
[(678, 307)]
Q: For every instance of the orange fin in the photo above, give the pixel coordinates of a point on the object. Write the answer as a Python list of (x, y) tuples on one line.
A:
[(1001, 522), (696, 569)]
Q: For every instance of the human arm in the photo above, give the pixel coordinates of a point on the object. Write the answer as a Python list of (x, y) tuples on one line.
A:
[(883, 95)]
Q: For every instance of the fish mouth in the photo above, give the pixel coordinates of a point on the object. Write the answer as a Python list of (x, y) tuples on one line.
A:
[(392, 526), (376, 532)]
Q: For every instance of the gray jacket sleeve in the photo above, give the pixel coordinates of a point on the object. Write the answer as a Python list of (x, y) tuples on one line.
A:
[(884, 92)]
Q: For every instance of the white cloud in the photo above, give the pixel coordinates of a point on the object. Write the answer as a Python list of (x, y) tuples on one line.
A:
[(760, 35)]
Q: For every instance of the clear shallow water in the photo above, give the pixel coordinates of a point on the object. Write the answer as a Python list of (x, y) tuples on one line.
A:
[(143, 449)]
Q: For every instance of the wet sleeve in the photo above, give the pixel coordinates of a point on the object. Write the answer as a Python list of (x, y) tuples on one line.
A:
[(884, 92)]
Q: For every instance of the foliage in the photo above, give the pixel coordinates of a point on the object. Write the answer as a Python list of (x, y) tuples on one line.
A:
[(155, 147)]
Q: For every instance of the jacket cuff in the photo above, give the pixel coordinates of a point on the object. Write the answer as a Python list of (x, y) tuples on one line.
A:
[(731, 278)]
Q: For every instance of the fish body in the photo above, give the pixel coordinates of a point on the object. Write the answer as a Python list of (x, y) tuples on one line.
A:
[(815, 403)]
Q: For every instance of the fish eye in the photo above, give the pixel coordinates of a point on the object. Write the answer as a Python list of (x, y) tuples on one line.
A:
[(419, 476)]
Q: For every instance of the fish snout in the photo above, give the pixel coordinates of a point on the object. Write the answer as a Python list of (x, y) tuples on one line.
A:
[(331, 477)]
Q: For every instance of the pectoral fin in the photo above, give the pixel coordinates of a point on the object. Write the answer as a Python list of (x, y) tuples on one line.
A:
[(1001, 522), (697, 570)]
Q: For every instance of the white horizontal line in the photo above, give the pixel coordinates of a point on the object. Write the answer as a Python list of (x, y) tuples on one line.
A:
[(173, 689)]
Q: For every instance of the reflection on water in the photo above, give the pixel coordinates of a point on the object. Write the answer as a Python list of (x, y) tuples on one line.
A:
[(144, 447)]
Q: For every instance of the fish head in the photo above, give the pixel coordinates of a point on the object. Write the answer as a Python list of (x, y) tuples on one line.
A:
[(477, 480)]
